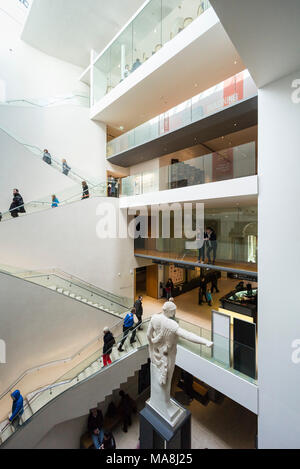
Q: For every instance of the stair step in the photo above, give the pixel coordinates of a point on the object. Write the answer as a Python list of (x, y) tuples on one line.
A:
[(67, 293), (53, 287), (78, 298), (60, 290), (72, 295)]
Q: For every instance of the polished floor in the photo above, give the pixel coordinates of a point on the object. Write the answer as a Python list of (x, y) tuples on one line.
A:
[(225, 425), (188, 308)]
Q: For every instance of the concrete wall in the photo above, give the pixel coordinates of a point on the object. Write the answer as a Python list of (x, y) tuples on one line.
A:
[(66, 239), (279, 259), (41, 326)]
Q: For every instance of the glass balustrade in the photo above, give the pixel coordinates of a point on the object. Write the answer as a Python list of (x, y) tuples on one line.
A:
[(225, 164), (155, 25), (75, 99), (226, 352), (76, 373), (78, 290), (215, 99)]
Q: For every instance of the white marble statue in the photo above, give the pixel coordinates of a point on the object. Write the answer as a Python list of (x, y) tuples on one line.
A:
[(163, 334)]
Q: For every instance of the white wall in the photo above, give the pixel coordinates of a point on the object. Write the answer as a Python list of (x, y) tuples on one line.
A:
[(41, 326), (27, 73), (66, 131), (278, 264), (21, 169), (65, 238)]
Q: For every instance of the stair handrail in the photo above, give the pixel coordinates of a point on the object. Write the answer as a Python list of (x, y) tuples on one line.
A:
[(57, 100), (56, 384)]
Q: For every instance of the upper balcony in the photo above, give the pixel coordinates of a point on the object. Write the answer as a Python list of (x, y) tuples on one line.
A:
[(227, 107), (157, 60)]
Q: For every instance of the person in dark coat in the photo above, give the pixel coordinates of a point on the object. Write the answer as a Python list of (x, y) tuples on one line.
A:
[(138, 305), (169, 288), (126, 408), (109, 342), (95, 427), (108, 442), (214, 283), (212, 244), (17, 205), (85, 190), (47, 157)]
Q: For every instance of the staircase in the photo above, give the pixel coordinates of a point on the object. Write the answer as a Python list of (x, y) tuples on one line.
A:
[(44, 408), (77, 289)]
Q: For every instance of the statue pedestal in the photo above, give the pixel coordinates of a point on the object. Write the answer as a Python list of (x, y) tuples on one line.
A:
[(158, 433)]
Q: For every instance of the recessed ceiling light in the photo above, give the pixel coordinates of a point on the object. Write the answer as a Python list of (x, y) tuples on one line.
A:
[(235, 62), (121, 127)]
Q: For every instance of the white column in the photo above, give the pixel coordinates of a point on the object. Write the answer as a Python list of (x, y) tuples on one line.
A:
[(278, 266)]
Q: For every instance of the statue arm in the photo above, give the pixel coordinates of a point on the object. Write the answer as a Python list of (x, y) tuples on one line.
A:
[(193, 337)]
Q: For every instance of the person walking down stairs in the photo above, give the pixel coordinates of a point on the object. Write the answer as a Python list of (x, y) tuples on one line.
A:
[(55, 201), (65, 167), (128, 326), (17, 205), (109, 342), (85, 191), (17, 408)]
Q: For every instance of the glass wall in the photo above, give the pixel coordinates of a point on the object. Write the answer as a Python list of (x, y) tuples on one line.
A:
[(233, 90), (225, 164), (235, 233), (158, 22)]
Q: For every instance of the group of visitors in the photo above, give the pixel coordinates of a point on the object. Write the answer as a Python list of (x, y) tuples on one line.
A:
[(104, 439), (47, 158), (210, 245), (205, 294), (85, 195)]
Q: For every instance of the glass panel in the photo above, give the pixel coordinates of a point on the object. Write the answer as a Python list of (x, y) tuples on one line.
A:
[(213, 100), (102, 76), (231, 227), (158, 22), (147, 33), (225, 164)]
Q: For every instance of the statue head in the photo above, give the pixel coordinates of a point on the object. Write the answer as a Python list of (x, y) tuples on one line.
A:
[(169, 309)]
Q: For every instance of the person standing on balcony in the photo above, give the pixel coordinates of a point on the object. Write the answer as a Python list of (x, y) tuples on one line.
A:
[(47, 157), (17, 408), (212, 244), (85, 190), (128, 326), (65, 167), (95, 427), (17, 205), (109, 342), (138, 305), (136, 65), (55, 201)]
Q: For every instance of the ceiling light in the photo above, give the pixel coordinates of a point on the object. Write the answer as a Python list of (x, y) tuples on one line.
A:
[(235, 62), (121, 127)]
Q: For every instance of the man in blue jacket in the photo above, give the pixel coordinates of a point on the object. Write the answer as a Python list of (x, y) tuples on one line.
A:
[(128, 326), (17, 408)]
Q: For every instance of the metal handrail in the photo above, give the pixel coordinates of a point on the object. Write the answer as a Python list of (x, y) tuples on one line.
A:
[(71, 379)]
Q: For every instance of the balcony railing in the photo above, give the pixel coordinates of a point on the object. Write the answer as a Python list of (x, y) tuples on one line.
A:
[(215, 99), (156, 24), (231, 163)]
